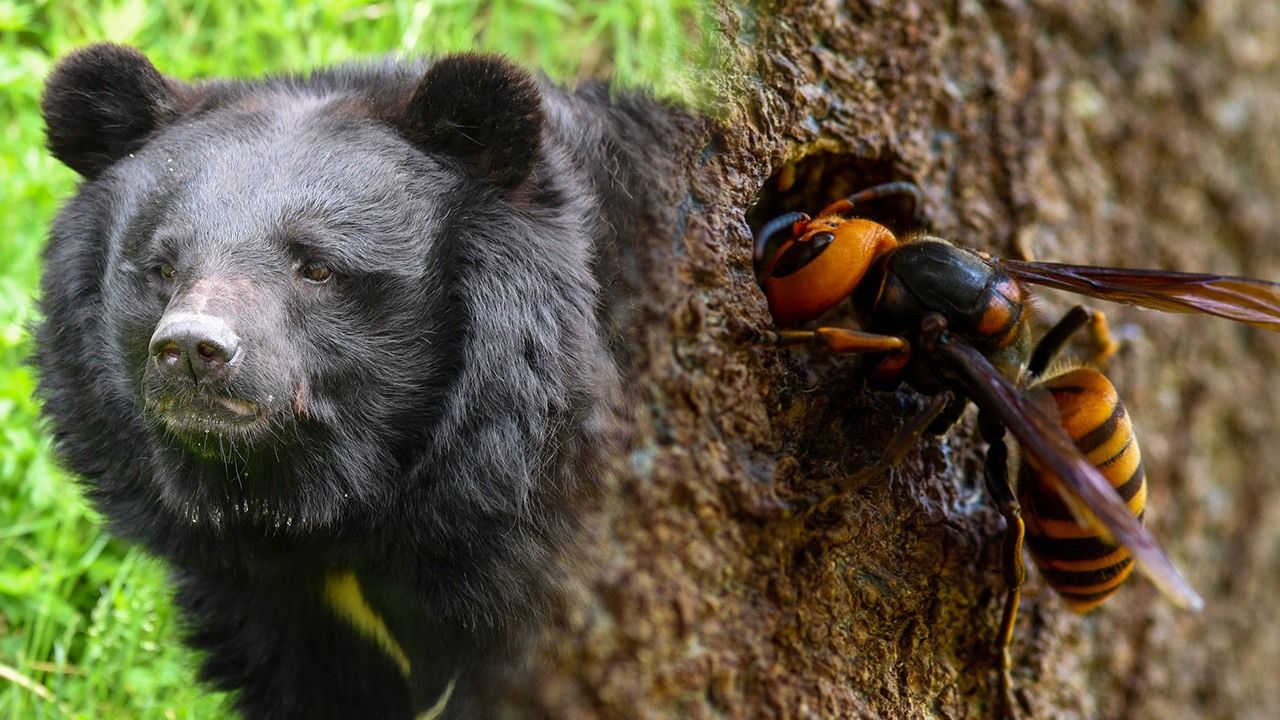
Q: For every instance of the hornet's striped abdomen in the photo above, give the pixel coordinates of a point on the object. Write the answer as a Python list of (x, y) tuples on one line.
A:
[(1073, 557)]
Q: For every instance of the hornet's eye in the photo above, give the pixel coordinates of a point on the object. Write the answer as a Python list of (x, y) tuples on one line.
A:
[(316, 272), (801, 253)]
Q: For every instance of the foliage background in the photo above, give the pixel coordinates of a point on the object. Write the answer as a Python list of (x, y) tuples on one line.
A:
[(86, 626)]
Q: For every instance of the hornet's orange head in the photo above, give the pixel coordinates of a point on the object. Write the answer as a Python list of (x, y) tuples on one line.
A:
[(819, 265)]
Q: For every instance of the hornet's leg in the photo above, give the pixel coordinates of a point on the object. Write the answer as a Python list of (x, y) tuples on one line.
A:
[(837, 340), (997, 477), (899, 445), (1058, 335), (841, 340), (949, 415)]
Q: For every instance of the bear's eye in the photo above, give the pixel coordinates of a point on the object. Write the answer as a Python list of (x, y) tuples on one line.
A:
[(166, 271), (316, 272)]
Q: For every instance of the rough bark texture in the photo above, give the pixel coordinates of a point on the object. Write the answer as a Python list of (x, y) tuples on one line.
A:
[(1139, 134)]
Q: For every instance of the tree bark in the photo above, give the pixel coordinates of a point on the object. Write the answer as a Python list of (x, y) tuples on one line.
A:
[(1130, 134)]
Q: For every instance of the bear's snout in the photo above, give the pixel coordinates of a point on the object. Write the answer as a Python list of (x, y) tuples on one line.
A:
[(196, 346)]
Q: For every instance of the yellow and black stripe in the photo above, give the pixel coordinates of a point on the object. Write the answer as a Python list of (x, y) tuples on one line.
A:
[(1003, 321), (1075, 557)]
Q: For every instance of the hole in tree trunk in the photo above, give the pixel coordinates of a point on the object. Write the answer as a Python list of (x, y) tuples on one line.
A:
[(812, 182)]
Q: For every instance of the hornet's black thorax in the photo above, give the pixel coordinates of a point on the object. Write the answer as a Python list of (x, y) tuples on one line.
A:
[(982, 305)]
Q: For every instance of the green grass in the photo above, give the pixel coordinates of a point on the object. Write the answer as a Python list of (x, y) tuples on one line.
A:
[(86, 625)]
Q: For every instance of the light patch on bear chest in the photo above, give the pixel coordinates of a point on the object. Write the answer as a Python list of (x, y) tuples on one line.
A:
[(342, 592)]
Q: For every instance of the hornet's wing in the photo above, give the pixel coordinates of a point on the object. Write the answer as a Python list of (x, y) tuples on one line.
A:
[(1246, 300)]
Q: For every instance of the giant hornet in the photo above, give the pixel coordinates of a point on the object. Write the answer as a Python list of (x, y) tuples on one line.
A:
[(955, 326)]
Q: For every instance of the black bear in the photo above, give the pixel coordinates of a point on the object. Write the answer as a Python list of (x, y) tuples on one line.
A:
[(329, 344)]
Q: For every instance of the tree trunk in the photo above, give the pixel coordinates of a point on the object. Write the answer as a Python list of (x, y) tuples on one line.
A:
[(1134, 134)]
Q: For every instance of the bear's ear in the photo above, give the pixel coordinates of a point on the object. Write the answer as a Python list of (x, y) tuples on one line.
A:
[(481, 109), (100, 104)]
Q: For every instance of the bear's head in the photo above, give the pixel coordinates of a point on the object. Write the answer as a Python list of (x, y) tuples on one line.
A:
[(265, 292)]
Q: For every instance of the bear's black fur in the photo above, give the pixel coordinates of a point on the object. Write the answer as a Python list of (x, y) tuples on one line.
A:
[(328, 344)]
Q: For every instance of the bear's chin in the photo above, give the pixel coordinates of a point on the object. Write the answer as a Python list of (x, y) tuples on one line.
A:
[(246, 514), (229, 492)]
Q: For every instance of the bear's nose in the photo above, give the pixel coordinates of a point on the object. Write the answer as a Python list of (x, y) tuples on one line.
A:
[(202, 346)]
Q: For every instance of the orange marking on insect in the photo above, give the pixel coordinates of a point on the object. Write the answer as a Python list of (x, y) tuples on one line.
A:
[(1002, 317), (997, 317), (1117, 555), (830, 277), (1109, 584)]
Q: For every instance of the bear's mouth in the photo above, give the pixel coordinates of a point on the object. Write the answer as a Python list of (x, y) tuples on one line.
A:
[(196, 417)]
